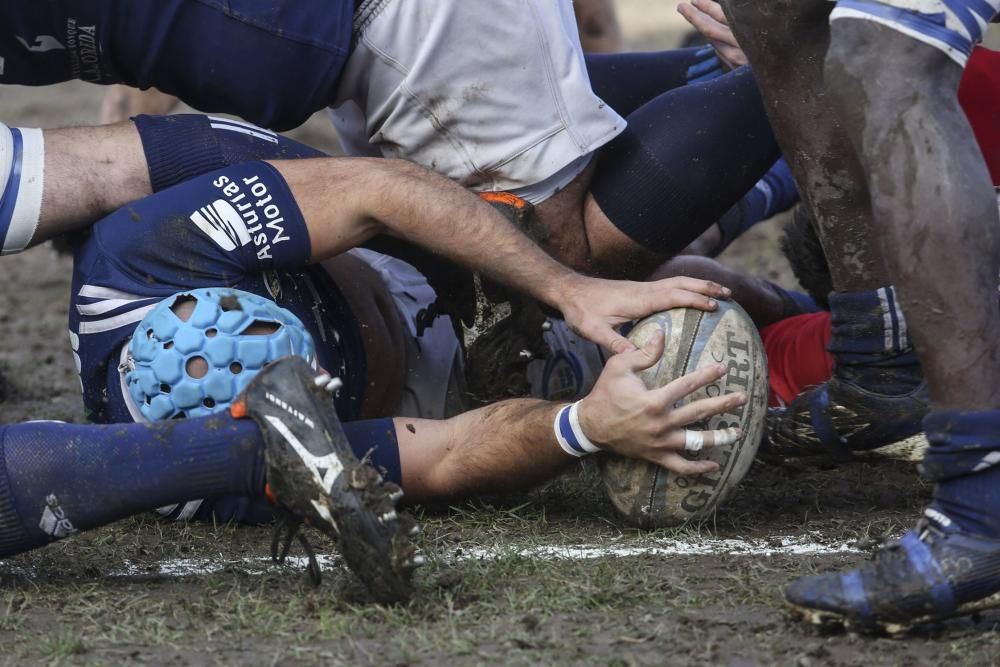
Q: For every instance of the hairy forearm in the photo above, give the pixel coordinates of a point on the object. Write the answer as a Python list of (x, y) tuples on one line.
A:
[(441, 216), (500, 448)]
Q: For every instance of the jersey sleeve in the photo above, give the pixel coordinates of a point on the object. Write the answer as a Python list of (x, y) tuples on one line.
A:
[(213, 229)]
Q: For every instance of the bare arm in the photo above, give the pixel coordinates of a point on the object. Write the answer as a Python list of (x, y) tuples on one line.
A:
[(500, 448), (511, 445), (761, 298), (347, 201)]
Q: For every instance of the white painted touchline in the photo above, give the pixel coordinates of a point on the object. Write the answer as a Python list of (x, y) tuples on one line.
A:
[(792, 546), (800, 545)]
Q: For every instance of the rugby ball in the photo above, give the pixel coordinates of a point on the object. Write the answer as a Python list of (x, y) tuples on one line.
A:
[(650, 496)]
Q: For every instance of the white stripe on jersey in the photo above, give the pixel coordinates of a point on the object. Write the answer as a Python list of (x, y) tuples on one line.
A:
[(101, 307), (98, 292), (110, 323)]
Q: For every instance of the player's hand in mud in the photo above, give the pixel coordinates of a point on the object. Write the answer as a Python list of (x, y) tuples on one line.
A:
[(622, 416), (708, 18), (594, 307)]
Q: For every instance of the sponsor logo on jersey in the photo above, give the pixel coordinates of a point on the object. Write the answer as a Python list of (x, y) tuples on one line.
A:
[(41, 44), (254, 206), (54, 521), (272, 282), (85, 51), (223, 224)]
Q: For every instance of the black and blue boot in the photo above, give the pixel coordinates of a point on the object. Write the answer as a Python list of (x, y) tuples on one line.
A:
[(877, 396), (949, 565), (934, 572)]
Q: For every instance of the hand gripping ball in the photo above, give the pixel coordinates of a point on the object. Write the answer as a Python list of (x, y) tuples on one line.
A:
[(164, 372), (649, 496)]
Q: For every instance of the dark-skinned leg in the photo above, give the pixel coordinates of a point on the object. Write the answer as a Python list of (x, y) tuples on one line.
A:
[(875, 397), (936, 215), (786, 42)]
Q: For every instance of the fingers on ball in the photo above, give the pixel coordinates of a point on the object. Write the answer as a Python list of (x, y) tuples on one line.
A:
[(676, 463)]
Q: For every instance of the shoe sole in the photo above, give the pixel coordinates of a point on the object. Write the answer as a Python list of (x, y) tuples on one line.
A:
[(907, 450), (359, 511), (830, 620), (910, 450)]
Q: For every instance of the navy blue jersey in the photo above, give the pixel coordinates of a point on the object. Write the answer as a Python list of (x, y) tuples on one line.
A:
[(273, 62), (236, 227)]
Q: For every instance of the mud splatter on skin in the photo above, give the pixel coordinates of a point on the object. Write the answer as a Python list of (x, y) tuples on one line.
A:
[(937, 227)]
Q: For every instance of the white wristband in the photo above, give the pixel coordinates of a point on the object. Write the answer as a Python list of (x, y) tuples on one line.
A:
[(570, 434)]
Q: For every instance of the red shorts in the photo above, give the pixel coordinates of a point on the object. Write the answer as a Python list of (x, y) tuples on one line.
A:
[(979, 95), (796, 355)]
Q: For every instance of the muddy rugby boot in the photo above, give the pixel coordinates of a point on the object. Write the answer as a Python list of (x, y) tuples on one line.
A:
[(314, 478), (839, 417), (932, 573), (877, 395)]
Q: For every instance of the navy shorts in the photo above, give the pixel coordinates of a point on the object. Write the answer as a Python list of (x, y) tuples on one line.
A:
[(273, 63)]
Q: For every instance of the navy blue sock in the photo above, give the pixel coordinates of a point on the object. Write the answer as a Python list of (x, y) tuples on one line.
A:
[(964, 460), (773, 194), (373, 438), (869, 345), (56, 479), (182, 146), (626, 81), (685, 158)]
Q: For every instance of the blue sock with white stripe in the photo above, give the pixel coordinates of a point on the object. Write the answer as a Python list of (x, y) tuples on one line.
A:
[(964, 460), (183, 146), (22, 169), (774, 193), (706, 66), (870, 345)]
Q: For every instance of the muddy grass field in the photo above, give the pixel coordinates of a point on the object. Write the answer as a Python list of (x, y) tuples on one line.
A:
[(549, 577)]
